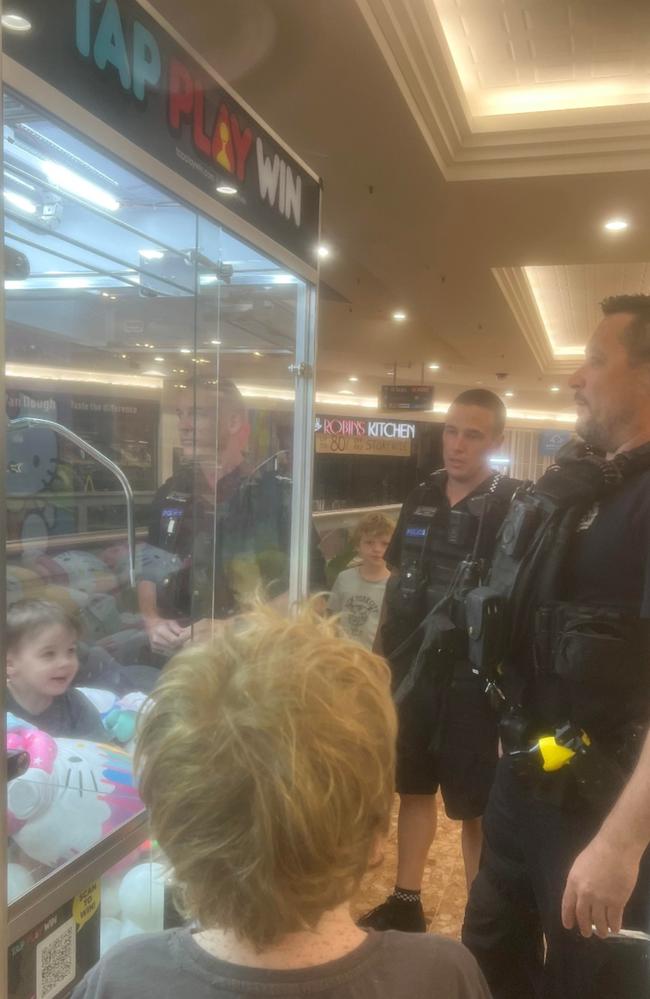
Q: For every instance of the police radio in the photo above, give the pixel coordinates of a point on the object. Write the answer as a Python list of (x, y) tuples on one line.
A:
[(174, 509)]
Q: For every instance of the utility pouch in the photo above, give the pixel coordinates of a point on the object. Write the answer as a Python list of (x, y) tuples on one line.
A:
[(601, 656), (518, 528), (485, 611)]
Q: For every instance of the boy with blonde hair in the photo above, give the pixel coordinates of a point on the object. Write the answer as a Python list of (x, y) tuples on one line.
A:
[(267, 765), (358, 593)]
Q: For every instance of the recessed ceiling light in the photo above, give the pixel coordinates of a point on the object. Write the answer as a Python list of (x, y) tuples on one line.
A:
[(159, 358), (509, 395), (185, 350), (226, 189), (105, 294), (257, 353), (399, 316), (353, 378), (323, 251), (616, 225), (124, 357), (555, 388), (152, 254), (16, 22), (345, 392), (434, 367), (217, 343)]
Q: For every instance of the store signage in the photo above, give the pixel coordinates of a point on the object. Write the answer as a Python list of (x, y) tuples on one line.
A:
[(550, 441), (414, 397), (338, 444), (339, 426), (343, 435), (113, 58)]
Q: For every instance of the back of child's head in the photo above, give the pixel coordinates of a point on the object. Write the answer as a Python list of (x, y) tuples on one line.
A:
[(373, 525), (26, 618), (267, 763)]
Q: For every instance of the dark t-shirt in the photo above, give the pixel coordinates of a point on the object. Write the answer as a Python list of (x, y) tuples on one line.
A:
[(69, 716), (609, 560), (387, 965)]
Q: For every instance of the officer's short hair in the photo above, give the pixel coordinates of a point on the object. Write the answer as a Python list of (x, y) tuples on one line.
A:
[(486, 400), (636, 335), (374, 525), (267, 762)]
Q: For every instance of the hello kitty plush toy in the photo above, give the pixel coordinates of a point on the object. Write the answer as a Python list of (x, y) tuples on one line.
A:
[(72, 796)]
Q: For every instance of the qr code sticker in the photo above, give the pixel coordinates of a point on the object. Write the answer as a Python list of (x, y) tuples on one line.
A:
[(56, 961)]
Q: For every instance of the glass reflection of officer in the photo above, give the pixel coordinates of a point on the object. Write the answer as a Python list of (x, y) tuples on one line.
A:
[(218, 530), (567, 828), (447, 734)]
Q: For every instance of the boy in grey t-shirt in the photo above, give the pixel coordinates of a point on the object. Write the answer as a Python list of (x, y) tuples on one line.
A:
[(266, 761), (358, 593)]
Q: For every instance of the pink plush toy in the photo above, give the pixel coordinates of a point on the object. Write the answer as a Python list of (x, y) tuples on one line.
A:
[(74, 794)]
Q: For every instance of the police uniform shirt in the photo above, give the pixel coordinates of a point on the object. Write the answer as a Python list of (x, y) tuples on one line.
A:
[(235, 545), (609, 561), (452, 537), (594, 670)]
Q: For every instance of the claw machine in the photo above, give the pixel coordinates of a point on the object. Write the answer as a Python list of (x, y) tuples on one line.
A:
[(160, 273)]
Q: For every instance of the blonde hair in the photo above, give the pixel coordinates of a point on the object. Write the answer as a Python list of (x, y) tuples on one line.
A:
[(375, 525), (267, 764)]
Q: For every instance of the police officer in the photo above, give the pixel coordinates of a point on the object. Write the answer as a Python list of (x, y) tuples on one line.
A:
[(447, 734), (568, 820), (218, 529)]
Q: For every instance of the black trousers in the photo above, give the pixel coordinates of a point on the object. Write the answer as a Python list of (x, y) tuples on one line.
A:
[(513, 922)]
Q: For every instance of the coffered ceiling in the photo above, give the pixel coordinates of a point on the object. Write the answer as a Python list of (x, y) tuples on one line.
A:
[(471, 152), (511, 88)]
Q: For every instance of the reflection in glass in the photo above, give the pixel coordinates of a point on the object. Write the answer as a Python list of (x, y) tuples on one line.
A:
[(162, 344)]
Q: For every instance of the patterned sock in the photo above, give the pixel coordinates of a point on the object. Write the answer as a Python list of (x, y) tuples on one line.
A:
[(406, 895)]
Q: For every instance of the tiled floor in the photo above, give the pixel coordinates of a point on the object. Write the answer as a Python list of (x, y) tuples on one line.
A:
[(443, 891)]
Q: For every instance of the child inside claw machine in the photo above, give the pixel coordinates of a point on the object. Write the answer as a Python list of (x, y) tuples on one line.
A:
[(41, 641)]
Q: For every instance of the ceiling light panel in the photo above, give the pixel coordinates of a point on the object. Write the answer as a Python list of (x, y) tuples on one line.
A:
[(567, 299), (536, 57)]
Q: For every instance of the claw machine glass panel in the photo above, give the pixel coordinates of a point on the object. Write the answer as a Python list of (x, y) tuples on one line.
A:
[(159, 332)]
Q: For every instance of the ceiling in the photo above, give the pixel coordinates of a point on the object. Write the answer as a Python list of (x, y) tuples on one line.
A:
[(471, 151)]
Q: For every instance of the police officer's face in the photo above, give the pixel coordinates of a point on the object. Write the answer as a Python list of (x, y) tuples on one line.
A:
[(612, 396), (197, 422), (468, 440), (202, 419)]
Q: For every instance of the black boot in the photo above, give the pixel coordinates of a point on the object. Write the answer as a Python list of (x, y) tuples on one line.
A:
[(395, 914)]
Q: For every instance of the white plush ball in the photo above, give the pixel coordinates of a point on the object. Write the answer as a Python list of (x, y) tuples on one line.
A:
[(142, 896)]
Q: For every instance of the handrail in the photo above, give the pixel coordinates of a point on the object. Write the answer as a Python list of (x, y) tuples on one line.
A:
[(28, 422)]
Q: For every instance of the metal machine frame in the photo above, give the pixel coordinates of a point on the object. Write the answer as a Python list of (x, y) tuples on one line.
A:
[(27, 911)]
